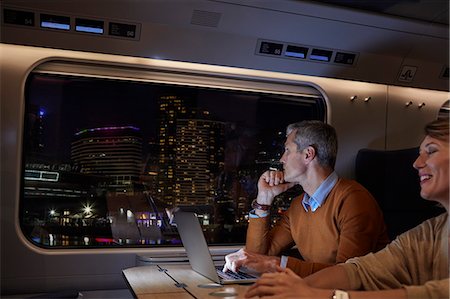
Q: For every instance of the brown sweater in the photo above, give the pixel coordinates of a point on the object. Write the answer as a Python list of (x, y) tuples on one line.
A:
[(348, 224)]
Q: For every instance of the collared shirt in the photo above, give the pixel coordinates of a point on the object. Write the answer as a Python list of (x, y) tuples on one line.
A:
[(319, 197), (252, 214)]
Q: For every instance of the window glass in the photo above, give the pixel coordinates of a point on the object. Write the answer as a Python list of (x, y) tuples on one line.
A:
[(106, 161)]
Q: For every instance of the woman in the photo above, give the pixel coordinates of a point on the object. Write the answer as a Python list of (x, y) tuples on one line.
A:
[(415, 265)]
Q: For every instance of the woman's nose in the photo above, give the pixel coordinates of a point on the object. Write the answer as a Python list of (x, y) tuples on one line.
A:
[(418, 163)]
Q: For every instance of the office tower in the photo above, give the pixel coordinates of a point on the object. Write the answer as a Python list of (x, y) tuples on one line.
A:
[(199, 157), (191, 152), (113, 152), (34, 128), (149, 176), (171, 107)]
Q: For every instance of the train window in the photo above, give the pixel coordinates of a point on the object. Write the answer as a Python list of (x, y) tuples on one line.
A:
[(107, 159)]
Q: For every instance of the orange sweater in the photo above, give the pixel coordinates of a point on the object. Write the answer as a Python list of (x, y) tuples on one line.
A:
[(348, 224)]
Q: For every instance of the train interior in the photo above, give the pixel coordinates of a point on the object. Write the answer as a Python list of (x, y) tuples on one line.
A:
[(115, 113)]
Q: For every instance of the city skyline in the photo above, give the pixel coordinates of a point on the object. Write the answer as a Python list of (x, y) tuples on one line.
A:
[(198, 147)]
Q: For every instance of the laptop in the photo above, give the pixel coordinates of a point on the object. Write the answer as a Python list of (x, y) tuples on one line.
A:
[(198, 253)]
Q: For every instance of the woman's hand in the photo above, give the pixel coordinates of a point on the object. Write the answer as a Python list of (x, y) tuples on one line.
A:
[(284, 284)]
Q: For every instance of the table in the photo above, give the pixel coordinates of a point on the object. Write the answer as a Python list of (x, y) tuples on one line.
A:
[(177, 282)]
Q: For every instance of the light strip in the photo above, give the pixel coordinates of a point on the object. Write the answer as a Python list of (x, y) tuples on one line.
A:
[(55, 25)]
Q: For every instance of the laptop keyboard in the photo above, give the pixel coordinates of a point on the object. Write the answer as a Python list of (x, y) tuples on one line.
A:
[(231, 275)]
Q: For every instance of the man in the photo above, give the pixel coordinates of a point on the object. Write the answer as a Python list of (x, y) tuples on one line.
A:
[(333, 220)]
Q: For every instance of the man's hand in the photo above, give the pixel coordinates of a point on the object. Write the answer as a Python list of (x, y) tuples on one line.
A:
[(253, 261), (270, 184)]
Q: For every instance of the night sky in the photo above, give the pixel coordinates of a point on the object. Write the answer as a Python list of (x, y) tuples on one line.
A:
[(71, 104)]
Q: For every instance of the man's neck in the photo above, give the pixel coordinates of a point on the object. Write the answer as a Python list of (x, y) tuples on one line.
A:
[(315, 177)]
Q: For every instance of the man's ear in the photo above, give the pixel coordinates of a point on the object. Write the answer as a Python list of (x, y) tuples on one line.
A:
[(310, 153)]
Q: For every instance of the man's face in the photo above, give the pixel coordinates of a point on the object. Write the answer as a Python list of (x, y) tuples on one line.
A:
[(293, 162)]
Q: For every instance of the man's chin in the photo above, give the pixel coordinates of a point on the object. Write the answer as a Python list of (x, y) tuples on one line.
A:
[(287, 179)]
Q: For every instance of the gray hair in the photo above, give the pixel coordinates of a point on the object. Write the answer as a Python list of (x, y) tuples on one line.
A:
[(321, 136)]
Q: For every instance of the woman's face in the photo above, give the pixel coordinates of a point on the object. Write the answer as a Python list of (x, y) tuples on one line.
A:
[(433, 167)]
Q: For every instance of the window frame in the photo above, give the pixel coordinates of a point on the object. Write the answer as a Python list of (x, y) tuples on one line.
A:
[(231, 81)]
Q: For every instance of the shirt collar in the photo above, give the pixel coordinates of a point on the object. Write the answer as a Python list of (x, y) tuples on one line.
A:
[(319, 197)]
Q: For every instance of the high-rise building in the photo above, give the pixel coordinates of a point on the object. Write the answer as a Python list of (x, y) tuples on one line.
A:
[(113, 152), (199, 156), (149, 174), (171, 107), (191, 152), (33, 142)]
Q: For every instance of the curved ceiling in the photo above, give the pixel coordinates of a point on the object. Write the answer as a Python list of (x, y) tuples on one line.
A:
[(431, 11)]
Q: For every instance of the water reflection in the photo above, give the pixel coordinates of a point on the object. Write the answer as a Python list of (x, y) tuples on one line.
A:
[(52, 240)]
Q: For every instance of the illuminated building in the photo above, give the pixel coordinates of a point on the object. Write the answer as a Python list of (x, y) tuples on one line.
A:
[(62, 201), (34, 123), (171, 107), (149, 176), (191, 152), (111, 152), (199, 156)]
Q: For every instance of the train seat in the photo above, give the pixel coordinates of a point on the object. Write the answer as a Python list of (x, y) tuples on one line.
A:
[(392, 180)]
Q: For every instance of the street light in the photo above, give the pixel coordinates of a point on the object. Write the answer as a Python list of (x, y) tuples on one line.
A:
[(87, 209)]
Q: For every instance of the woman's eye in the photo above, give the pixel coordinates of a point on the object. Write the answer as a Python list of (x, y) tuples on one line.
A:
[(431, 151)]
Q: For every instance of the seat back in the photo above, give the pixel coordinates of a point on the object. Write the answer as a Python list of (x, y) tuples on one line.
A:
[(392, 180)]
